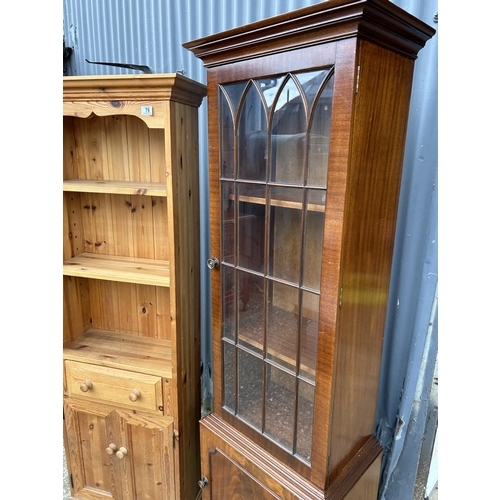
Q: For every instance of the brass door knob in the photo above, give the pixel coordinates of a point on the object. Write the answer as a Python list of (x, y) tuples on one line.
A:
[(134, 395), (86, 386)]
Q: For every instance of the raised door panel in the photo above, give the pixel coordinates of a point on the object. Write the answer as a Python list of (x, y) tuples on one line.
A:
[(230, 480), (146, 471), (88, 462), (119, 455)]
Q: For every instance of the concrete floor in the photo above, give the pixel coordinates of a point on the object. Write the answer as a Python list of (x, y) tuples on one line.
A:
[(66, 489)]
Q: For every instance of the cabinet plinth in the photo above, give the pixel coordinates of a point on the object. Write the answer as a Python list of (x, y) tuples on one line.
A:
[(130, 252), (307, 121)]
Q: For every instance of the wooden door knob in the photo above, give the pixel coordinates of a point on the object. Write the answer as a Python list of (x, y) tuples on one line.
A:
[(111, 448), (134, 395), (121, 453), (86, 386)]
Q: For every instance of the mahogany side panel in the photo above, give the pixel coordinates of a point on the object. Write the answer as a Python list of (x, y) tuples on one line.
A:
[(375, 166)]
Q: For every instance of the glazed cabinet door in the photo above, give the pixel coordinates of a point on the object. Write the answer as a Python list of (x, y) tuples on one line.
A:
[(118, 454), (274, 139)]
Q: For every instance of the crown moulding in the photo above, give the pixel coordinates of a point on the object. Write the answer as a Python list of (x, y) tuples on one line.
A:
[(378, 21), (156, 87)]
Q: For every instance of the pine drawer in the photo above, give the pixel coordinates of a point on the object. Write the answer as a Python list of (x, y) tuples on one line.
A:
[(113, 386)]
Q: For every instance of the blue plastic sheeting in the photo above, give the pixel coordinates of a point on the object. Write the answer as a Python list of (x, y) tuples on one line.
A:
[(151, 33)]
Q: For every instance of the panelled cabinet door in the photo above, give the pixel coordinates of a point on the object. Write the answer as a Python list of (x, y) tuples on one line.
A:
[(88, 462), (230, 480), (116, 454)]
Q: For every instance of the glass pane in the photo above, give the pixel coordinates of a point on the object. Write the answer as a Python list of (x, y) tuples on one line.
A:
[(270, 87), (313, 241), (251, 312), (251, 221), (234, 92), (250, 388), (285, 233), (229, 371), (228, 302), (280, 406), (289, 138), (226, 137), (228, 229), (319, 137), (305, 406), (311, 82), (309, 335), (252, 137), (288, 91), (282, 324)]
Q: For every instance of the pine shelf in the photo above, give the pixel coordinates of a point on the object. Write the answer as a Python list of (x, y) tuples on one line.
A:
[(117, 268), (115, 187), (147, 355)]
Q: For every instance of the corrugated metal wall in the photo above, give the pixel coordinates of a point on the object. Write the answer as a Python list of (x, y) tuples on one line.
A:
[(151, 32)]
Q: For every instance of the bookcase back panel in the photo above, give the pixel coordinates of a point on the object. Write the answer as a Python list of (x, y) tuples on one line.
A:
[(115, 147), (112, 224), (129, 308), (76, 307), (142, 310)]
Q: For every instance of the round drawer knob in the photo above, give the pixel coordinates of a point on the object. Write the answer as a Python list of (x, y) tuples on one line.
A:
[(121, 453), (111, 449), (134, 395), (86, 386)]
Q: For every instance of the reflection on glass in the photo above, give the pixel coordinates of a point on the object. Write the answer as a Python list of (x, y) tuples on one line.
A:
[(228, 303), (285, 233), (234, 92), (309, 335), (305, 408), (226, 137), (280, 406), (252, 137), (282, 324), (229, 370), (318, 138), (251, 221), (310, 82), (289, 137), (228, 229), (270, 88), (251, 312), (313, 240), (250, 389)]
